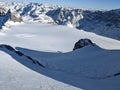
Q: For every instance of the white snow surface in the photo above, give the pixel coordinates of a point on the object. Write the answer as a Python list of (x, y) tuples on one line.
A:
[(89, 68), (47, 37)]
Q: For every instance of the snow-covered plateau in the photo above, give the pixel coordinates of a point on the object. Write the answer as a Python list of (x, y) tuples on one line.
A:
[(37, 54), (89, 68)]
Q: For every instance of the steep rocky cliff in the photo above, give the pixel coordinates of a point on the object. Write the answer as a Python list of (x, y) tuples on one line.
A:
[(4, 16)]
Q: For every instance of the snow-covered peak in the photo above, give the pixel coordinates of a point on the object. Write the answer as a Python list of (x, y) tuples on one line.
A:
[(2, 11), (106, 23)]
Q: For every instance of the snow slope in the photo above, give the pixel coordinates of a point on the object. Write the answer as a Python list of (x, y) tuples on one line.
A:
[(15, 76), (89, 68), (50, 37)]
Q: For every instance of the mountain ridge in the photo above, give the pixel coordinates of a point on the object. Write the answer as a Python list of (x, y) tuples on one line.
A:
[(106, 23)]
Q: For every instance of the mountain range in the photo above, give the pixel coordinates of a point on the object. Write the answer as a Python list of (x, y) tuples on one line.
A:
[(106, 23), (50, 47)]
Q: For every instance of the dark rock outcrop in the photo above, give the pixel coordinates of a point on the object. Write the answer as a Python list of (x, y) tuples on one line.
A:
[(4, 16), (62, 16), (20, 54), (82, 43), (7, 47)]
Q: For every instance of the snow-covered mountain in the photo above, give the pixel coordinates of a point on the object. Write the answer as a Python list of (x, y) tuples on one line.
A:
[(4, 16), (40, 57), (104, 23), (36, 55), (66, 16)]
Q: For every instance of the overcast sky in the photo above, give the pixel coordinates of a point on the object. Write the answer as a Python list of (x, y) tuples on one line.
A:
[(94, 4)]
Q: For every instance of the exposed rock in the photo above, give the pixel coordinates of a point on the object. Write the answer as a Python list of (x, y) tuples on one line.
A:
[(15, 18), (40, 64), (7, 47), (64, 15), (4, 16), (82, 43), (106, 23), (44, 19), (3, 11), (18, 53)]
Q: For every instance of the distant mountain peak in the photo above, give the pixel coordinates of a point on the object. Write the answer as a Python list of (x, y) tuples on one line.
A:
[(106, 23)]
